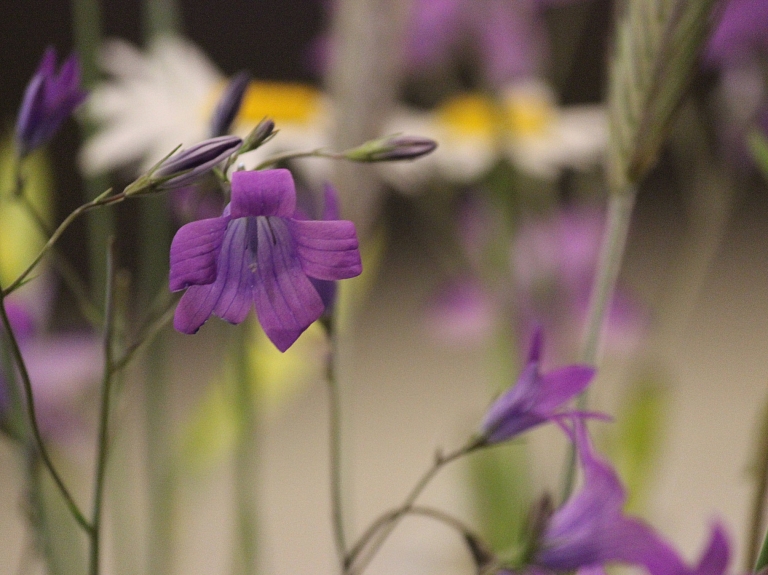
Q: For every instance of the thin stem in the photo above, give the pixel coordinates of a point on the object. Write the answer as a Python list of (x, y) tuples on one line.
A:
[(146, 334), (67, 272), (334, 439), (755, 529), (101, 200), (30, 400), (246, 460), (620, 206), (386, 523), (445, 518), (106, 389), (318, 153)]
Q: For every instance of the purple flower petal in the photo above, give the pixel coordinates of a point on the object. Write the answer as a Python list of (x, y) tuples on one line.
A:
[(327, 250), (562, 385), (229, 297), (263, 193), (286, 302), (590, 529), (194, 251)]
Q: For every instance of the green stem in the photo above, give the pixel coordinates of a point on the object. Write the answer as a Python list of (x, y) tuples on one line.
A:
[(106, 390), (246, 460), (759, 502), (67, 272), (334, 439), (30, 400), (271, 161), (160, 466), (99, 201), (161, 17), (355, 562), (620, 206)]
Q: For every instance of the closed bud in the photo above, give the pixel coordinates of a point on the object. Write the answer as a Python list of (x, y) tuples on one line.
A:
[(391, 149), (261, 134), (229, 104), (184, 168)]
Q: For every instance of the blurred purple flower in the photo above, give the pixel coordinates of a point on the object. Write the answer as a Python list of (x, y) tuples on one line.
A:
[(552, 263), (741, 33), (738, 48), (229, 104), (536, 397), (554, 260), (590, 529), (258, 253), (49, 99), (508, 36)]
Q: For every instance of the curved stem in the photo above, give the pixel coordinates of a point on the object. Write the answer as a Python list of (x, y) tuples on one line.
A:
[(294, 155), (102, 200), (386, 523), (30, 400)]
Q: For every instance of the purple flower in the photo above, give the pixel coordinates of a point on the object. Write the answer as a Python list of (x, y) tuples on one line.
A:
[(536, 398), (591, 529), (48, 100), (258, 252)]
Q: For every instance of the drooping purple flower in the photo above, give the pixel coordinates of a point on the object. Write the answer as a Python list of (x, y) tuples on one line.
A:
[(591, 529), (536, 397), (49, 99), (258, 253)]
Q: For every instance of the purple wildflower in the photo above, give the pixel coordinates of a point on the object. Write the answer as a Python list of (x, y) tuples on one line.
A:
[(195, 161), (48, 100), (258, 252), (591, 529), (535, 399)]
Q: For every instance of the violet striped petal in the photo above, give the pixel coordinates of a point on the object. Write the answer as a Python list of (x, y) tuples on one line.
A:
[(229, 297), (328, 250), (263, 193), (286, 302), (194, 251)]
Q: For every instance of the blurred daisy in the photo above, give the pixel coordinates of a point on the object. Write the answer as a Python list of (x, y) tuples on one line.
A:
[(525, 126), (159, 99)]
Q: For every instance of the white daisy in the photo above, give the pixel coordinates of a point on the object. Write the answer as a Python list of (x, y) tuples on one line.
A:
[(165, 97)]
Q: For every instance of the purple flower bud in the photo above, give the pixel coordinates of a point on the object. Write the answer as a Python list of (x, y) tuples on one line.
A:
[(392, 149), (262, 133), (49, 99), (229, 104), (184, 168)]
